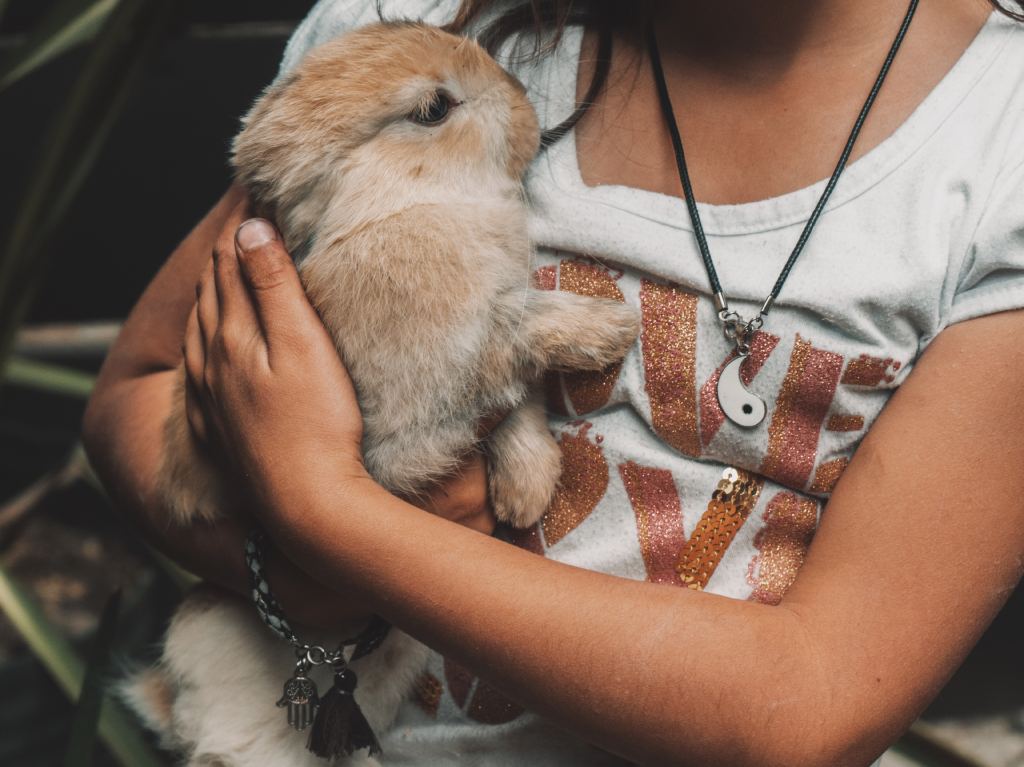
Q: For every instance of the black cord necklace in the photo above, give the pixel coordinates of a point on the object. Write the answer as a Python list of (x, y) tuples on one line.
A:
[(740, 406)]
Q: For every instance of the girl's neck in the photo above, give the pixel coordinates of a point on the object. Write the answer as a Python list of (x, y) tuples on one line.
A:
[(781, 28), (765, 91), (753, 38)]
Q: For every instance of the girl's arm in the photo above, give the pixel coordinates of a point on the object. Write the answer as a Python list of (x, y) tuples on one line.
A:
[(124, 424), (919, 547)]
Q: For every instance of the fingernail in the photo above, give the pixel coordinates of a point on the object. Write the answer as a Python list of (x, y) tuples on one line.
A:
[(255, 233)]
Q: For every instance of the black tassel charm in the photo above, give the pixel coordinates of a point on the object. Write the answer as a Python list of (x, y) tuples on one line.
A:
[(339, 728)]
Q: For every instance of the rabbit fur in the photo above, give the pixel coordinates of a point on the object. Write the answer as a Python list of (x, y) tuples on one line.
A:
[(411, 242)]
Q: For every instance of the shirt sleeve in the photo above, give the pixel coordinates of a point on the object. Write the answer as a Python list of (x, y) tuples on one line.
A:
[(330, 18), (992, 273)]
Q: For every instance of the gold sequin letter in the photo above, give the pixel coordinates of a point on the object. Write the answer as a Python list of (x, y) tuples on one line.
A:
[(731, 503)]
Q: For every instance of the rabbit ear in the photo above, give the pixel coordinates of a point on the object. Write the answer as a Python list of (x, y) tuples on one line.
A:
[(260, 141), (282, 174)]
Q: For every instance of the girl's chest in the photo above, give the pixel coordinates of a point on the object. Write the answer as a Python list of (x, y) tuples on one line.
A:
[(869, 291), (824, 378), (755, 127)]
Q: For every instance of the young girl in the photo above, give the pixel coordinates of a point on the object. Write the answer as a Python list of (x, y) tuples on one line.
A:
[(670, 608)]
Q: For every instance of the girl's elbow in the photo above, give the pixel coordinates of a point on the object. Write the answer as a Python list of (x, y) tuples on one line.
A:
[(825, 742)]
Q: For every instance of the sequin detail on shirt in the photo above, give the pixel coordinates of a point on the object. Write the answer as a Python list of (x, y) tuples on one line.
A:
[(828, 474), (589, 389), (583, 484), (731, 502), (659, 518), (427, 692), (845, 423), (669, 342), (789, 525), (800, 409), (870, 371), (486, 704)]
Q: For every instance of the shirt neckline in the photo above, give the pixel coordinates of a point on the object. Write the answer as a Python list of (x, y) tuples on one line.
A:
[(561, 167)]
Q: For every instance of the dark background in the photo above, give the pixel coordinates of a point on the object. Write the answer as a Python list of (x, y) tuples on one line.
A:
[(165, 163), (161, 169)]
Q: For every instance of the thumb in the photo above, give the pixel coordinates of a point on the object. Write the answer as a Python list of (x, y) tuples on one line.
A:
[(268, 269)]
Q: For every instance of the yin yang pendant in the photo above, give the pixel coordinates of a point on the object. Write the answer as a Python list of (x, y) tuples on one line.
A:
[(739, 405)]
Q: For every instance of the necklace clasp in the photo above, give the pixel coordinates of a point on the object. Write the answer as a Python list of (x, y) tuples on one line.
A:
[(740, 330)]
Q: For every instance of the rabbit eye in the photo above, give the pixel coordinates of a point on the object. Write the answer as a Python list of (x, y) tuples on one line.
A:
[(435, 111)]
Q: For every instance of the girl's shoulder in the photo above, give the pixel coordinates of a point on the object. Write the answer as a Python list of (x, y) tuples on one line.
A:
[(995, 101), (330, 18)]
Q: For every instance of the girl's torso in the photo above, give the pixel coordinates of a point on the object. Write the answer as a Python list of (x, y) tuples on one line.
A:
[(924, 230)]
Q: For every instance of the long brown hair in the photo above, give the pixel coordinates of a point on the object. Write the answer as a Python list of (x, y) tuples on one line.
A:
[(544, 22)]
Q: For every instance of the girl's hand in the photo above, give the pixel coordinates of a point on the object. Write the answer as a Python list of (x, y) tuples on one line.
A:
[(268, 388)]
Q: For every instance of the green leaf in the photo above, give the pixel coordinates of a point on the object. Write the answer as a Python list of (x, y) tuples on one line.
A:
[(67, 24), (84, 725), (116, 728), (129, 37), (179, 576), (44, 376)]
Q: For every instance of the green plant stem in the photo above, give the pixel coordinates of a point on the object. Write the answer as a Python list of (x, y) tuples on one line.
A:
[(78, 132), (81, 745), (66, 25), (120, 734), (44, 376), (179, 576), (66, 339)]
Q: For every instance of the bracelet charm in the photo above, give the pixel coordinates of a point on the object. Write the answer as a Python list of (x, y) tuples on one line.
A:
[(339, 727), (300, 697)]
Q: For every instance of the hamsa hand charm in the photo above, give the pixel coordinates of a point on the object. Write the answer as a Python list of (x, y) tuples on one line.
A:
[(301, 699)]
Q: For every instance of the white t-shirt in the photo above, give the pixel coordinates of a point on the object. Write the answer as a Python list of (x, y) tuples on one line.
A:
[(925, 230)]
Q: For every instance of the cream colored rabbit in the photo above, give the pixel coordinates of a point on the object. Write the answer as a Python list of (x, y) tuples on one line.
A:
[(392, 161)]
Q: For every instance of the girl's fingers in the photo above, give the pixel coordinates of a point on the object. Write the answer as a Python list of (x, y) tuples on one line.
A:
[(463, 497), (237, 316), (206, 295), (195, 365), (195, 353), (281, 304)]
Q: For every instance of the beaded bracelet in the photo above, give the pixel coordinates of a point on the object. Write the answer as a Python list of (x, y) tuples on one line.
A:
[(338, 725)]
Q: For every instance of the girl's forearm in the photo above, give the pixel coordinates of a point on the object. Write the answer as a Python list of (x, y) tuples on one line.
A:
[(576, 645), (128, 462)]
